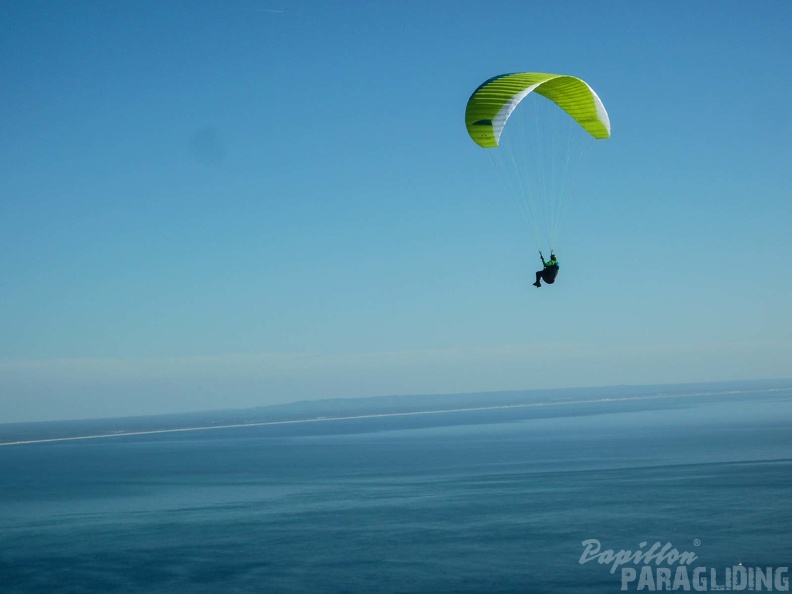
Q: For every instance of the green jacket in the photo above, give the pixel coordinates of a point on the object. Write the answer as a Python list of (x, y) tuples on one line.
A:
[(549, 263)]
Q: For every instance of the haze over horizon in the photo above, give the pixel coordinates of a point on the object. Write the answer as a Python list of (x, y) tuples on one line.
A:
[(400, 412)]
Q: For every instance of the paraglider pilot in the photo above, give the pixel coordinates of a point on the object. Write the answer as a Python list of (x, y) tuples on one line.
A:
[(550, 271)]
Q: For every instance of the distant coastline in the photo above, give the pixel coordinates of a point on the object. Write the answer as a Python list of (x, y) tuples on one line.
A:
[(378, 407)]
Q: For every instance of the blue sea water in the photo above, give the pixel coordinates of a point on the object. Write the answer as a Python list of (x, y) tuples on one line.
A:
[(478, 504)]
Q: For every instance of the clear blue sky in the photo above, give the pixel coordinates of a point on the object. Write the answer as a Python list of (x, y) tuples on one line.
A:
[(209, 204)]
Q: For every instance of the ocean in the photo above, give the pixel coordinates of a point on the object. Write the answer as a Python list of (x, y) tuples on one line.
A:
[(471, 500)]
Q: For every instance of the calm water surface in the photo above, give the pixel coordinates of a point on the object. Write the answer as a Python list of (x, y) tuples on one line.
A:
[(357, 506)]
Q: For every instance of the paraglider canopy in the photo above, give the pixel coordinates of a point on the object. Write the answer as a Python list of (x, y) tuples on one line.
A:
[(538, 153), (492, 103)]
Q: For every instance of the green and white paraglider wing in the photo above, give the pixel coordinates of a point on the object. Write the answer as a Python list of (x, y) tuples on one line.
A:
[(537, 150), (494, 101)]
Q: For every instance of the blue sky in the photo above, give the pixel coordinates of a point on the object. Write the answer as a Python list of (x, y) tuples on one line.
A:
[(227, 204)]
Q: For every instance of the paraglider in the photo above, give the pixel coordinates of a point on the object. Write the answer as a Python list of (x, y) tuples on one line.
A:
[(537, 152), (549, 271)]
